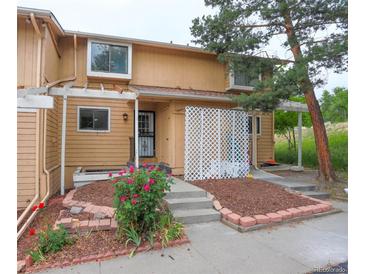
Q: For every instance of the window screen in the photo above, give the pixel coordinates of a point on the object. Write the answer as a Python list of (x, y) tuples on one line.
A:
[(258, 124), (93, 119), (109, 58), (245, 79)]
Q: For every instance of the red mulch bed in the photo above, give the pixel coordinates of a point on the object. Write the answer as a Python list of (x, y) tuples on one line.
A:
[(98, 193), (248, 197), (47, 215), (81, 216), (93, 243)]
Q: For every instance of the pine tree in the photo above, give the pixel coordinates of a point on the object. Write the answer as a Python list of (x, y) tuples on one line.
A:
[(316, 34)]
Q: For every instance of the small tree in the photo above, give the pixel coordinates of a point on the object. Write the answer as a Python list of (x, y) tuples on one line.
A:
[(316, 34), (286, 122)]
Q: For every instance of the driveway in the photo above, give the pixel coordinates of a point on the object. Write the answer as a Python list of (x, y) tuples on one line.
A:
[(215, 248)]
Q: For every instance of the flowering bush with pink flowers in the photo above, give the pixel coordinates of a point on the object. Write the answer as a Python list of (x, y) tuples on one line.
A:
[(138, 198)]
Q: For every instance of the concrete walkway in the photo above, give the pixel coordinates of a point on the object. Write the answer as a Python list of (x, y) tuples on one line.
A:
[(306, 188), (216, 248)]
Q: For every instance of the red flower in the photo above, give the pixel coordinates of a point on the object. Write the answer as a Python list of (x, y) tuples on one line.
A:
[(158, 169), (122, 171), (146, 187), (130, 181), (150, 168), (41, 205), (134, 201), (34, 208), (144, 165), (110, 174), (123, 198), (151, 181), (31, 232), (115, 181), (131, 169), (135, 195)]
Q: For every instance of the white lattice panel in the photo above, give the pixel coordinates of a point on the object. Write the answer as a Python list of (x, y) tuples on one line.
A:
[(216, 143)]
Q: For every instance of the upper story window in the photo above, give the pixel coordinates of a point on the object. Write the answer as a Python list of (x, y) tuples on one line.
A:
[(109, 59), (244, 80)]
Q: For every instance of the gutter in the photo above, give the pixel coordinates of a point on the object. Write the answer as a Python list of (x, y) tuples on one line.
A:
[(176, 95)]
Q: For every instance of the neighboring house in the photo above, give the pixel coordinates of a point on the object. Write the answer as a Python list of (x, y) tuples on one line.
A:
[(111, 76)]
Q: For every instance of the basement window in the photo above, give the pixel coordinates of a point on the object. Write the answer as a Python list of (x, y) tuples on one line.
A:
[(113, 60), (91, 119), (258, 125)]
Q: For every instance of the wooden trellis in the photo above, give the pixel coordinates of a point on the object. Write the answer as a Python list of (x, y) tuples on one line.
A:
[(216, 143)]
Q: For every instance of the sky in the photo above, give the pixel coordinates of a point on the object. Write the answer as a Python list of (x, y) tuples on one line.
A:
[(157, 20)]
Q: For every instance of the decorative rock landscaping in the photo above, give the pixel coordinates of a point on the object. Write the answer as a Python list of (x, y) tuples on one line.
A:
[(100, 217)]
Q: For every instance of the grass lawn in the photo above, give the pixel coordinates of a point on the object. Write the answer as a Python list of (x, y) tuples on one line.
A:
[(338, 148)]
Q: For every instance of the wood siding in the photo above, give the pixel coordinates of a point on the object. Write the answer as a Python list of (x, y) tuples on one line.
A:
[(97, 149), (265, 141), (53, 146), (27, 139), (27, 42), (154, 66), (151, 66)]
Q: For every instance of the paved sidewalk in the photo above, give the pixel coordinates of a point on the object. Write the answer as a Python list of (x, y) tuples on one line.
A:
[(216, 248)]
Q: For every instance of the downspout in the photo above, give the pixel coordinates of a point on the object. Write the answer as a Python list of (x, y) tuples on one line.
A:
[(36, 197)]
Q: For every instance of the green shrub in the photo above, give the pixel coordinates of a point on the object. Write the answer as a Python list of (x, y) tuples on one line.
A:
[(138, 198), (50, 241), (169, 229)]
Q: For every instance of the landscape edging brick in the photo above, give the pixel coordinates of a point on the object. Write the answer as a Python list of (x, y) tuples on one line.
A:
[(306, 212)]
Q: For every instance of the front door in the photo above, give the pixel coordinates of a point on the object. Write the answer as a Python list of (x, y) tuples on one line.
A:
[(146, 134)]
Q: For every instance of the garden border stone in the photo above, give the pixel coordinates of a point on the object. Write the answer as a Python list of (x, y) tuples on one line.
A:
[(269, 219)]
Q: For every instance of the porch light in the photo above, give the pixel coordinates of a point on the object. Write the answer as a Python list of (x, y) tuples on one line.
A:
[(125, 116)]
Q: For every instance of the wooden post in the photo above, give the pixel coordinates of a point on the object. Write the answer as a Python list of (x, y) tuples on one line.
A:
[(63, 144), (136, 143), (300, 139), (254, 140)]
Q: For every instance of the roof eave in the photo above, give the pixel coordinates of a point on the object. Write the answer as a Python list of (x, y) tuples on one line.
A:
[(47, 15)]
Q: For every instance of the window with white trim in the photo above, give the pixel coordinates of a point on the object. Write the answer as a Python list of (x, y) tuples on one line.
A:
[(93, 119), (109, 59), (258, 125), (244, 79)]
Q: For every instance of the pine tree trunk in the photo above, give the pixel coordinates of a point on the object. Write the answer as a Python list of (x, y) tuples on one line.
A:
[(326, 172)]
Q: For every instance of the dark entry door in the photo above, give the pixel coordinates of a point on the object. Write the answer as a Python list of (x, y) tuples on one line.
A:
[(146, 134)]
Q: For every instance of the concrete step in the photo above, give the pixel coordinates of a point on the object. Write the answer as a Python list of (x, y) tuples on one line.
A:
[(317, 194), (304, 187), (194, 216), (185, 194), (189, 203)]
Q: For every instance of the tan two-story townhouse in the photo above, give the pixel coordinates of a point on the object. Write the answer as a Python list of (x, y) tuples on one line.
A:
[(79, 95)]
